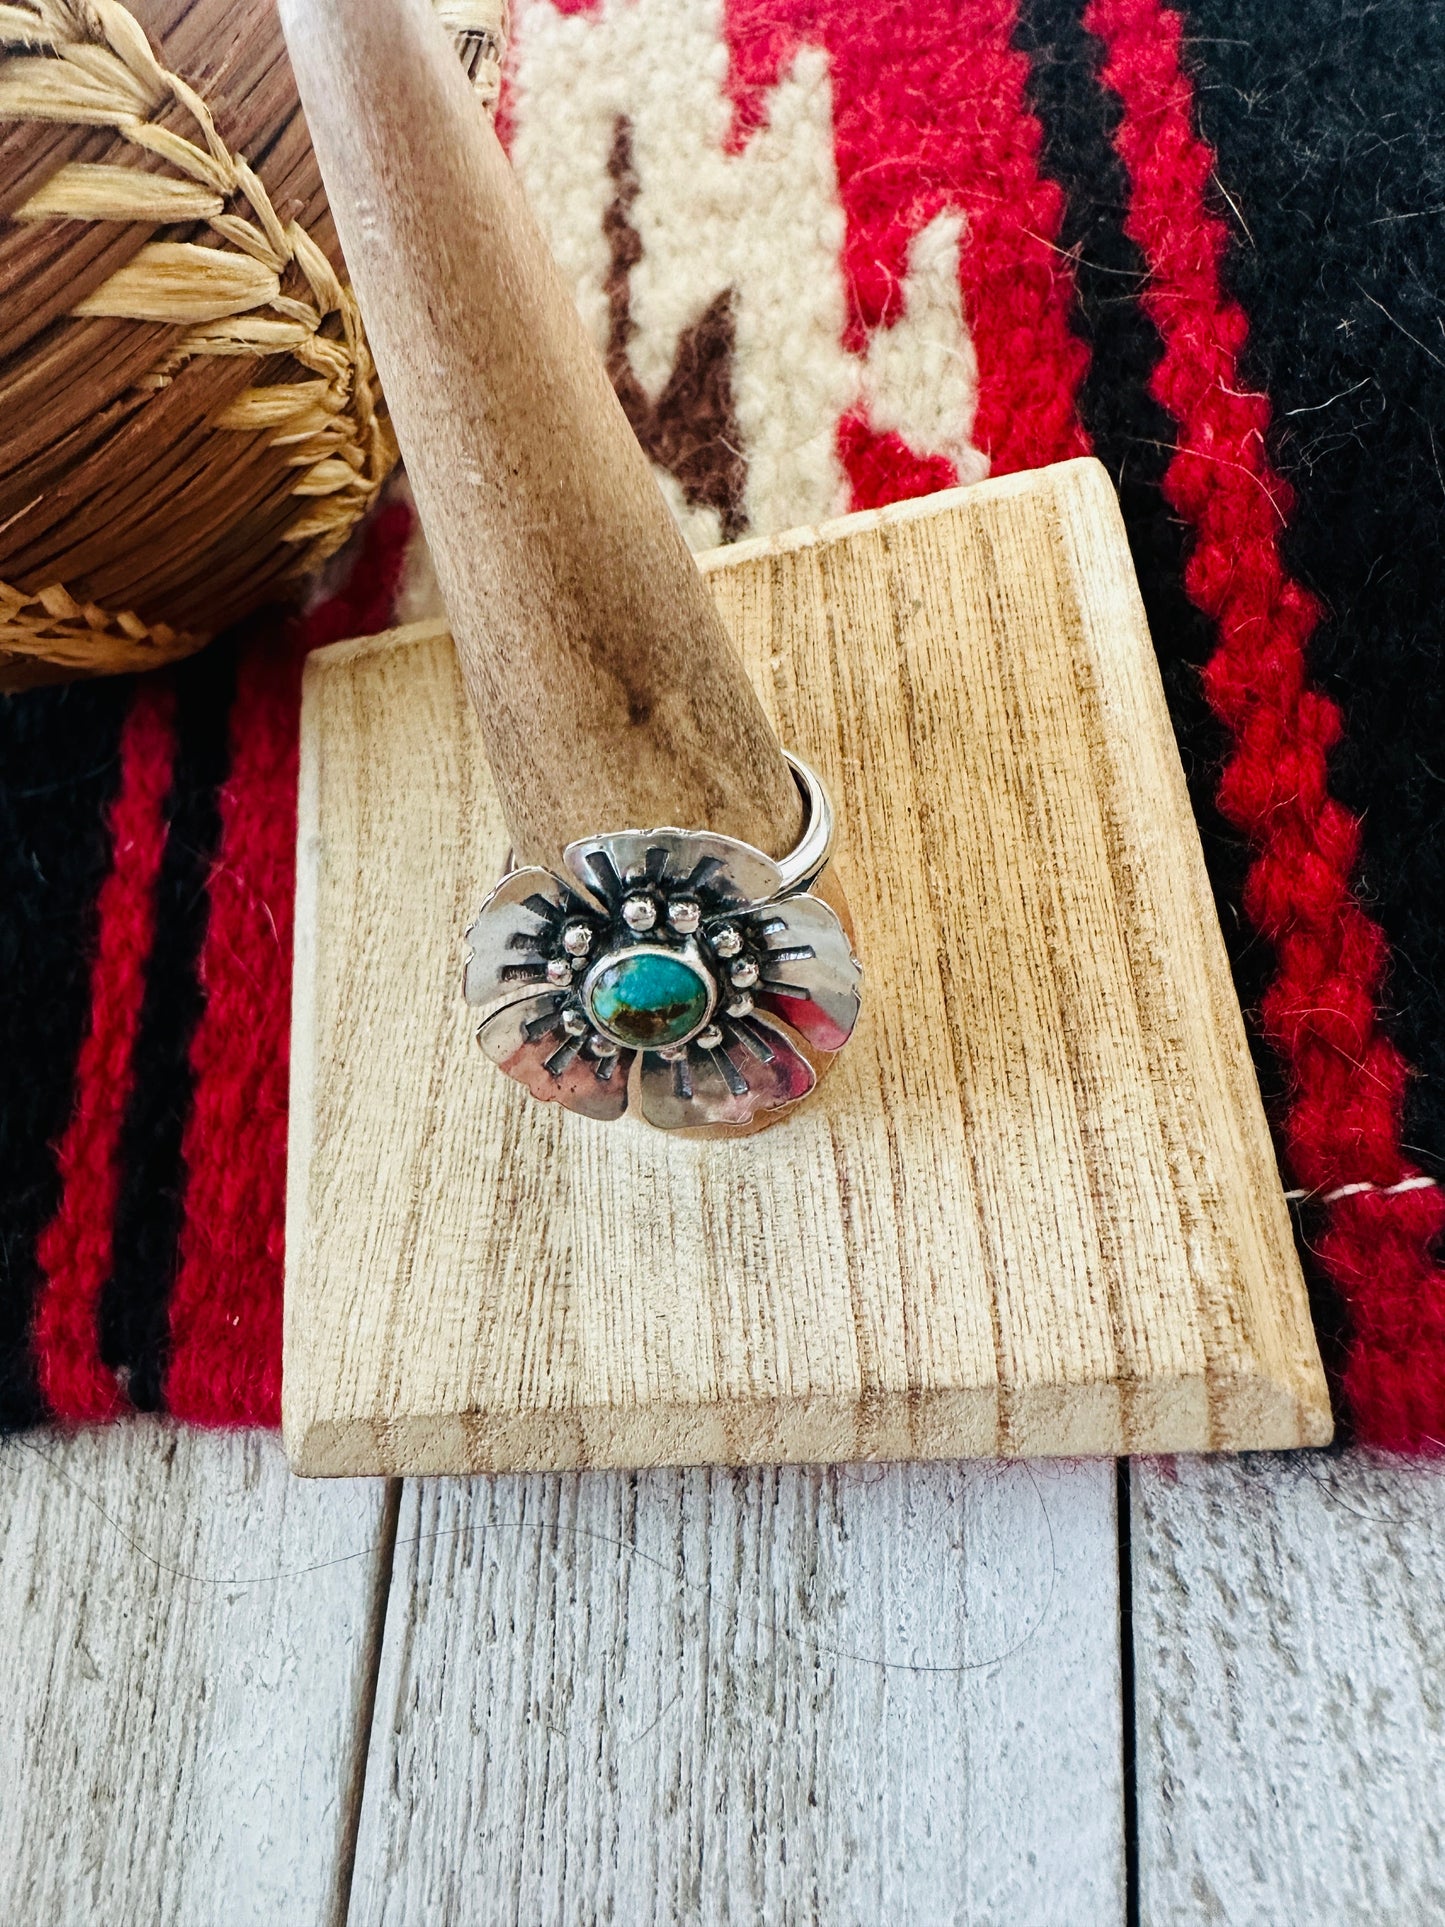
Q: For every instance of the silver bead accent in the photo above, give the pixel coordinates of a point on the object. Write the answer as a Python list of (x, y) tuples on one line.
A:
[(577, 939), (741, 1005), (559, 971), (575, 1022), (684, 914), (744, 973), (671, 1053), (726, 941), (710, 1037), (639, 913), (600, 1046)]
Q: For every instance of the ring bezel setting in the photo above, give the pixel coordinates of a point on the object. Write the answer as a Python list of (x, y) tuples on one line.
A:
[(685, 957)]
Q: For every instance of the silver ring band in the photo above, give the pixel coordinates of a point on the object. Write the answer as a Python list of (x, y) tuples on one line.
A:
[(805, 863)]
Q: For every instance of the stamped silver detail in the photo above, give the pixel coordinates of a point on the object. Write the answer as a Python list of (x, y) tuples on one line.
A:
[(678, 973)]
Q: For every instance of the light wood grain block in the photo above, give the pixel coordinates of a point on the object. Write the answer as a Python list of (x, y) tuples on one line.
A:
[(1034, 1209)]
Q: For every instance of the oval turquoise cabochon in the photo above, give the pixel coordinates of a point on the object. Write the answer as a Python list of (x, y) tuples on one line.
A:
[(648, 1000)]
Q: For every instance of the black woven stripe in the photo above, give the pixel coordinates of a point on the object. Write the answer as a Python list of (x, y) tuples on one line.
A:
[(134, 1321), (1329, 125), (59, 766), (1134, 436)]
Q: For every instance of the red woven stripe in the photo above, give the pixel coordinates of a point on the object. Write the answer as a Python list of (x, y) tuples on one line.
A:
[(75, 1249), (1344, 1119), (225, 1366), (930, 114)]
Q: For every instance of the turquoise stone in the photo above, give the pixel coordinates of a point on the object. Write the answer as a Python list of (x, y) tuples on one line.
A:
[(648, 1000)]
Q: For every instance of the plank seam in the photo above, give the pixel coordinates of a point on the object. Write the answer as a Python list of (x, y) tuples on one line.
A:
[(1127, 1696), (366, 1702)]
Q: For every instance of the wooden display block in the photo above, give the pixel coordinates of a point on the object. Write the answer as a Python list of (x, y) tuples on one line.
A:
[(1033, 1209)]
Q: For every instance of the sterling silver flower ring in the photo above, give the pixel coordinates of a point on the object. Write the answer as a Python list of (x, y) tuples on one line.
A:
[(670, 971)]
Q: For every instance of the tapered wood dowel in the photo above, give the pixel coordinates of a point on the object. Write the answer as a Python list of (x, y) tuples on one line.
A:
[(608, 691)]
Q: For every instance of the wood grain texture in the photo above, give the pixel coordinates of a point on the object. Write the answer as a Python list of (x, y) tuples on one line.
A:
[(859, 1696), (1034, 1209), (184, 1728), (607, 690), (1289, 1640)]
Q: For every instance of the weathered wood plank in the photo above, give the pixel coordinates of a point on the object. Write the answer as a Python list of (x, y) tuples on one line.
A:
[(1289, 1636), (862, 1696), (189, 1637)]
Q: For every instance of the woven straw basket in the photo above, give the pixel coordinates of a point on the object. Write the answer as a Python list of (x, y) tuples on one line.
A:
[(191, 417)]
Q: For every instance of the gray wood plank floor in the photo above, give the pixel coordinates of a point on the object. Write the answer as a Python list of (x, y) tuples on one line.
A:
[(183, 1729), (860, 1695), (1289, 1643), (867, 1697)]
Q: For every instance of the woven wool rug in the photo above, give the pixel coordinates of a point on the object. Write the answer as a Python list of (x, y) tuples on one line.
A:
[(837, 253)]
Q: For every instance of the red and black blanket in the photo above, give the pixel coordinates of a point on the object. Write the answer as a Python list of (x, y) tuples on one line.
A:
[(837, 253)]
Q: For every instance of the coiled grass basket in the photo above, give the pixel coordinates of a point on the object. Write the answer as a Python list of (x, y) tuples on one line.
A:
[(191, 418)]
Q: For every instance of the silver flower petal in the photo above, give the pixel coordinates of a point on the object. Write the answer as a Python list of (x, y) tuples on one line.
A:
[(503, 963), (755, 1068), (526, 1039), (809, 975), (605, 865)]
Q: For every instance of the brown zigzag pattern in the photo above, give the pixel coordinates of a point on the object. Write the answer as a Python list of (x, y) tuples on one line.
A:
[(691, 429)]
